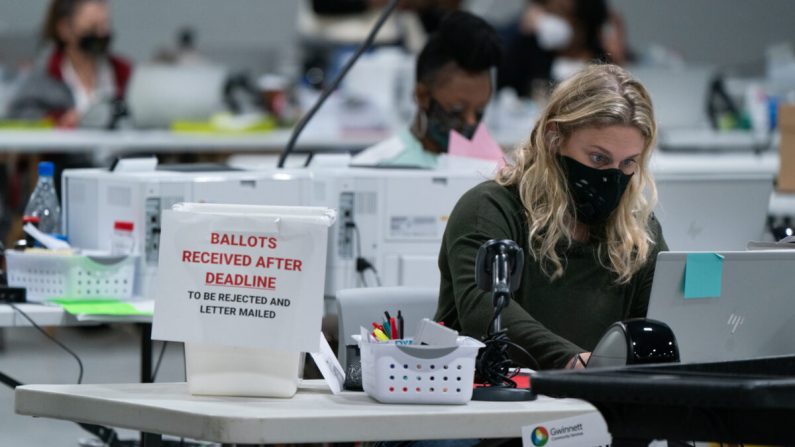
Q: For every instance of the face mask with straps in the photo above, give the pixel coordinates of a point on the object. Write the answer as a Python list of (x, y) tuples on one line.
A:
[(595, 193)]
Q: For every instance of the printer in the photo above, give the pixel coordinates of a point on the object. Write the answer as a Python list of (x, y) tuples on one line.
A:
[(392, 218)]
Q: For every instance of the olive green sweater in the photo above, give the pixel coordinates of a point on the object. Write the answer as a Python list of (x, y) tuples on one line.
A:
[(552, 320)]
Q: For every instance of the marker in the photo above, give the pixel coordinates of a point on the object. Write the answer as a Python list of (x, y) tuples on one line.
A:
[(394, 327), (378, 326), (400, 326), (380, 335), (387, 328)]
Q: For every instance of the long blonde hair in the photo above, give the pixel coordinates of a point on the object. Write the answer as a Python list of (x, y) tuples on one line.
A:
[(597, 96)]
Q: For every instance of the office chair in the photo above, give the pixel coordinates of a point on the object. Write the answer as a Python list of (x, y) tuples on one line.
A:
[(360, 307)]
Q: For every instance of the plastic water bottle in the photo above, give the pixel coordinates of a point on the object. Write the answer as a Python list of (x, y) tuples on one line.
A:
[(43, 203)]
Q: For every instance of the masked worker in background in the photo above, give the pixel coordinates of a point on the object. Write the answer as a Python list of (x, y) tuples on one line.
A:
[(453, 88), (79, 82), (556, 38)]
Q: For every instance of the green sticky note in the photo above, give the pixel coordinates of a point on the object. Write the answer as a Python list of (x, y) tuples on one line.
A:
[(98, 307), (703, 273)]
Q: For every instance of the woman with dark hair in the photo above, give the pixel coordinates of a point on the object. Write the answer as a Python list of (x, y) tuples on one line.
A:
[(558, 37), (453, 88), (79, 74)]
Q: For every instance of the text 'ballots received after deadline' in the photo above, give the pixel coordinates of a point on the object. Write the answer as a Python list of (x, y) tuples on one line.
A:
[(238, 275)]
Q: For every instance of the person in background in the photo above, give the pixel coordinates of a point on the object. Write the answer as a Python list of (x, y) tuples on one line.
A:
[(349, 21), (578, 199), (453, 88), (79, 81), (184, 52), (558, 37)]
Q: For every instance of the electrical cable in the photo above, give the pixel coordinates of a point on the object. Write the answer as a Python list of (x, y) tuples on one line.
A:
[(9, 381), (335, 83), (159, 360), (54, 340), (377, 278), (107, 435), (494, 366), (357, 242), (358, 239), (363, 264)]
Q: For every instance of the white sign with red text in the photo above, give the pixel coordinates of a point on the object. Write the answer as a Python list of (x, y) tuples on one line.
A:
[(237, 275)]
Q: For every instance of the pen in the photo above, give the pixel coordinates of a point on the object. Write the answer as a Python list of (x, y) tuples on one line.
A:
[(393, 325), (401, 334), (378, 326), (387, 316)]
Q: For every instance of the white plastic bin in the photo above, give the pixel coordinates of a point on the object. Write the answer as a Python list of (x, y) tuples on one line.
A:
[(235, 371), (266, 362), (57, 275), (412, 374)]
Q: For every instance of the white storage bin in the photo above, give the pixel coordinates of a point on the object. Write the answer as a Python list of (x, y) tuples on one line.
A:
[(52, 275), (409, 374), (265, 358), (236, 371)]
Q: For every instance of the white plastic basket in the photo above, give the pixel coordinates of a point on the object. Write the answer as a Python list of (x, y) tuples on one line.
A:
[(48, 276), (409, 374)]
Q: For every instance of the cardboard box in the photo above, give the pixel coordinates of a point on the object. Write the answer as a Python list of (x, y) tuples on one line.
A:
[(786, 170)]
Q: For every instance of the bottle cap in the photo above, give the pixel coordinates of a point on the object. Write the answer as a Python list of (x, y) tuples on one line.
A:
[(124, 226), (31, 219), (46, 169)]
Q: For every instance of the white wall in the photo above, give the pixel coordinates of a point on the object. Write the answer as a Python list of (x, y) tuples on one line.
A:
[(143, 26), (721, 32)]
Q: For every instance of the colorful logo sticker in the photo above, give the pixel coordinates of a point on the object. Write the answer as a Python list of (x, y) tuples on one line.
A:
[(540, 436)]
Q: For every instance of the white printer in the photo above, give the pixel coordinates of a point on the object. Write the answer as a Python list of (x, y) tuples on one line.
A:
[(393, 218)]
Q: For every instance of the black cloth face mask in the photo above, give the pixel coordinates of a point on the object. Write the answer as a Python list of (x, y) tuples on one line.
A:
[(596, 193), (96, 45), (441, 122)]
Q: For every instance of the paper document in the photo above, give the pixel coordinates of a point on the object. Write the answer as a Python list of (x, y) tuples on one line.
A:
[(481, 146), (104, 307), (329, 366)]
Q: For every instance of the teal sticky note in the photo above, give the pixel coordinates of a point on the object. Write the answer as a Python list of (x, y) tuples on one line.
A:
[(703, 273)]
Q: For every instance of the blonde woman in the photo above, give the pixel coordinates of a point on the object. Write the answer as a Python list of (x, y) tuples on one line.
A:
[(578, 200)]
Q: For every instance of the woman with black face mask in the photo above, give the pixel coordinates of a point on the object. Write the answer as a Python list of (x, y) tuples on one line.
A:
[(453, 88), (578, 199), (79, 76)]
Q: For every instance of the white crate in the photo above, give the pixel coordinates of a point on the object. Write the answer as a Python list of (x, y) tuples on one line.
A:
[(46, 275), (415, 374)]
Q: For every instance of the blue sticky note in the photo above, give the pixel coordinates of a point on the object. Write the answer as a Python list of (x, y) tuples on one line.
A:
[(703, 273)]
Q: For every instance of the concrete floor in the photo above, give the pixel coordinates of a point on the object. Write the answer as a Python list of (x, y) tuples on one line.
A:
[(110, 354)]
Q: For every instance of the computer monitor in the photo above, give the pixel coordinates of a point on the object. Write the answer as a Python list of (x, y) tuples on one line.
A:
[(712, 211), (160, 94), (754, 316), (679, 94)]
